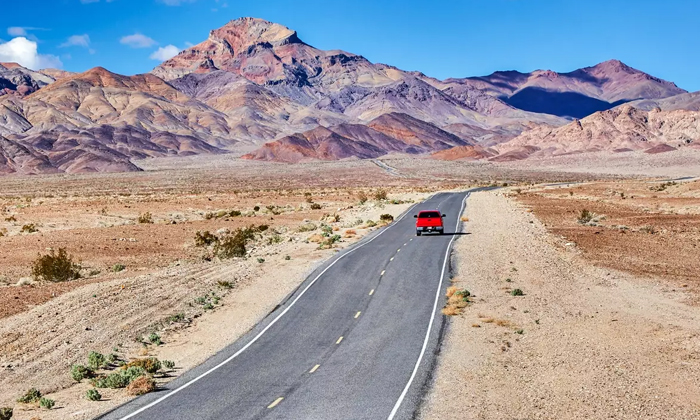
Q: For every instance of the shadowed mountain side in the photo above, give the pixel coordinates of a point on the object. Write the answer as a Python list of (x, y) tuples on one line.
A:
[(563, 104)]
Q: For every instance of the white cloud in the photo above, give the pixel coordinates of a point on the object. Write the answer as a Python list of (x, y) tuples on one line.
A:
[(77, 41), (25, 52), (165, 53), (138, 40)]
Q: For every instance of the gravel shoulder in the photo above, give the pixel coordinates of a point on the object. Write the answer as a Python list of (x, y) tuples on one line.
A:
[(583, 342)]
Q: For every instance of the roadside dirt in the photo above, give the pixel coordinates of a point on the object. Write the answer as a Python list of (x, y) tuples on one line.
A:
[(115, 312), (582, 342)]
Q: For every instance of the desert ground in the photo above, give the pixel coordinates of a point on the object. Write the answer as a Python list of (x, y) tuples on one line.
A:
[(616, 295)]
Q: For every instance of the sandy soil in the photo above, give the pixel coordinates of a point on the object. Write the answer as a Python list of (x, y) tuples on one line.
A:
[(583, 342), (112, 314)]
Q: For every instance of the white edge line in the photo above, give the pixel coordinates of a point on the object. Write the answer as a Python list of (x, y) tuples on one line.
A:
[(432, 318), (251, 342)]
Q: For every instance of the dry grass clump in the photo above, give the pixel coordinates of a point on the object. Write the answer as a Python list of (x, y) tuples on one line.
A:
[(457, 300), (56, 267), (141, 385), (464, 219), (350, 233), (490, 320)]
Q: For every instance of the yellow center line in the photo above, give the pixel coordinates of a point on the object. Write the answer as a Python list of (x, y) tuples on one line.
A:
[(371, 292), (405, 244), (339, 340), (383, 271), (391, 259), (275, 402), (314, 369), (399, 250), (357, 315)]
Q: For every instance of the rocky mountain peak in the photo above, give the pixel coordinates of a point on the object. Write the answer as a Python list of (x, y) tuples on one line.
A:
[(246, 32)]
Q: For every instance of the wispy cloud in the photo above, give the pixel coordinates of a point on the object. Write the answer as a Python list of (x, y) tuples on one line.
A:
[(165, 53), (24, 31), (175, 2), (78, 41), (138, 40), (26, 53)]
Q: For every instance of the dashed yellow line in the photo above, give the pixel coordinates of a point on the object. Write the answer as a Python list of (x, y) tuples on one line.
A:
[(383, 271), (405, 244), (357, 315), (391, 259), (339, 340), (314, 369), (371, 292), (275, 402), (399, 250)]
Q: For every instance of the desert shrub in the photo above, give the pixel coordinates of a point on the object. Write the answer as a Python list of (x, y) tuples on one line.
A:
[(118, 267), (326, 230), (96, 360), (380, 195), (274, 239), (133, 372), (5, 413), (232, 246), (47, 403), (261, 260), (234, 213), (362, 197), (55, 267), (29, 228), (463, 293), (169, 364), (256, 208), (141, 385), (31, 396), (146, 218), (93, 395), (287, 257), (154, 338), (209, 215), (517, 292), (387, 218), (225, 284), (585, 217), (80, 372), (260, 228), (316, 206), (307, 227), (150, 365), (113, 381), (11, 219), (648, 229), (371, 223), (205, 238), (328, 243)]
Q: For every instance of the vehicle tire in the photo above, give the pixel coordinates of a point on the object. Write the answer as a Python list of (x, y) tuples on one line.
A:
[(417, 233)]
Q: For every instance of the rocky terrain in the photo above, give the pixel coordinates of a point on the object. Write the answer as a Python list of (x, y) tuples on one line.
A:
[(255, 87)]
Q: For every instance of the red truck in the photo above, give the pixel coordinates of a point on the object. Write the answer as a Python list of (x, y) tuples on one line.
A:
[(429, 221)]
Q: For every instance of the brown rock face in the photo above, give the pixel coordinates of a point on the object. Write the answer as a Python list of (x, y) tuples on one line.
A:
[(620, 129)]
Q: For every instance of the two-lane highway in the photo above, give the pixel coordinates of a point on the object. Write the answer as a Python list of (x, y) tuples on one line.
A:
[(357, 340)]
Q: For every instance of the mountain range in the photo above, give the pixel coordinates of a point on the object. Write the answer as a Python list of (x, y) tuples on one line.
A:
[(255, 88)]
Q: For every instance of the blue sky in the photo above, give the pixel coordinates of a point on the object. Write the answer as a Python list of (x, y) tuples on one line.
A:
[(440, 38)]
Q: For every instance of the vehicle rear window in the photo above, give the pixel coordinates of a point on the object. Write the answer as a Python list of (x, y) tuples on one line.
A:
[(427, 214)]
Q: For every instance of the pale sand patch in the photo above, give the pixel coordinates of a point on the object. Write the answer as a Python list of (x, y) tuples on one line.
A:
[(595, 343)]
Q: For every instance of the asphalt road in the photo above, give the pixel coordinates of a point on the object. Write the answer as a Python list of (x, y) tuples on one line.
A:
[(357, 340)]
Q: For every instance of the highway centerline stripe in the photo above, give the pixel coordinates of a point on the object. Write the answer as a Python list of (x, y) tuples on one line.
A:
[(314, 369), (267, 327), (383, 271), (339, 340), (432, 317), (371, 292), (357, 315), (275, 402), (391, 259)]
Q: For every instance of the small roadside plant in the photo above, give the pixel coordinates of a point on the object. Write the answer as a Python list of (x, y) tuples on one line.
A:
[(517, 292), (55, 267), (5, 413), (328, 243), (370, 223), (225, 284), (118, 267), (150, 365), (386, 218), (362, 197), (29, 228), (205, 238), (287, 257), (80, 372), (315, 206), (96, 360), (261, 260), (256, 208), (141, 385), (585, 217), (154, 338), (380, 195), (47, 403), (31, 396), (146, 218), (93, 395), (326, 231), (169, 364), (175, 318)]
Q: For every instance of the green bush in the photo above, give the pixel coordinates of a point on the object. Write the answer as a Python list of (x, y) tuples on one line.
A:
[(80, 372), (93, 395), (234, 245), (31, 396), (380, 195), (205, 238), (5, 413), (362, 197), (370, 223), (517, 292), (47, 403), (113, 380), (154, 338), (118, 267), (56, 267), (261, 260), (96, 360), (316, 206), (256, 208), (150, 365), (585, 217), (169, 364)]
